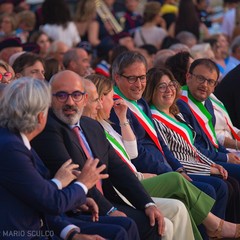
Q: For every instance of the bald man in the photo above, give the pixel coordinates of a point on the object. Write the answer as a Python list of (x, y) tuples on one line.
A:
[(93, 103)]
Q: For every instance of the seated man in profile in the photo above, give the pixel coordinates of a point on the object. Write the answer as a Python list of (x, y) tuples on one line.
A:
[(24, 185)]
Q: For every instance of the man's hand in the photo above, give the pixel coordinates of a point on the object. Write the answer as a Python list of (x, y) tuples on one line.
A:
[(91, 174), (218, 169), (232, 158), (90, 206), (117, 214), (66, 173), (80, 236), (155, 215)]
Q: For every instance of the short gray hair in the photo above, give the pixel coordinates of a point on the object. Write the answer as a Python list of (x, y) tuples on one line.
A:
[(70, 55), (126, 59), (22, 101)]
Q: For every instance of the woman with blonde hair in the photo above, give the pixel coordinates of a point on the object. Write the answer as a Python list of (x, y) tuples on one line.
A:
[(6, 73), (84, 15)]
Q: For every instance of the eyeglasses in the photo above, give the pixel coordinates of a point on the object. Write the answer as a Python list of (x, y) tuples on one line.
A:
[(162, 87), (6, 75), (202, 79), (62, 96), (133, 79)]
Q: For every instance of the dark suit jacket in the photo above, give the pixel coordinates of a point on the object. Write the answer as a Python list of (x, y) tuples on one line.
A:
[(26, 194), (58, 143), (228, 92), (201, 141), (149, 159)]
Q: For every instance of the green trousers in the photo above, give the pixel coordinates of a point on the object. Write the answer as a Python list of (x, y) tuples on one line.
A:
[(173, 185)]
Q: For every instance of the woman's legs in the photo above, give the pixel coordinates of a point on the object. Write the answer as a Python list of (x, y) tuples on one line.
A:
[(173, 185), (221, 190), (218, 227), (175, 212)]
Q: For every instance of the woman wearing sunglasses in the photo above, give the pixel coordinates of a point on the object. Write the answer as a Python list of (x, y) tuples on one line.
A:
[(6, 73)]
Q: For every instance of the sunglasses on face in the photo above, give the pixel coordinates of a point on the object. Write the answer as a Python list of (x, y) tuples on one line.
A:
[(6, 75)]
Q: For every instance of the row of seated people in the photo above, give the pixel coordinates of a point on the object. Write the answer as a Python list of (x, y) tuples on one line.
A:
[(70, 111)]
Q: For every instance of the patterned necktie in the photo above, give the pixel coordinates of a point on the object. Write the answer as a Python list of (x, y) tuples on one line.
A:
[(76, 130)]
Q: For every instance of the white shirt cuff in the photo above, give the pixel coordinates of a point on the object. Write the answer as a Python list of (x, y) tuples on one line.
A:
[(57, 182), (83, 186), (66, 230), (150, 204)]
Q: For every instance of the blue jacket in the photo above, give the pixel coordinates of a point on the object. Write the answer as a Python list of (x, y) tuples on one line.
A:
[(201, 141), (26, 194), (149, 159)]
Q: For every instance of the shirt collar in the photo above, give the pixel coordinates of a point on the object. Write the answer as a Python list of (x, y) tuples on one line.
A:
[(25, 141), (75, 125)]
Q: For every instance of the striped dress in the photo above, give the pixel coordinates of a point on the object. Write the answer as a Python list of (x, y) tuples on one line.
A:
[(192, 159)]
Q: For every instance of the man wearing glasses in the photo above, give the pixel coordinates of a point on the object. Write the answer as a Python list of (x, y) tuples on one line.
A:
[(197, 109), (129, 71), (60, 142)]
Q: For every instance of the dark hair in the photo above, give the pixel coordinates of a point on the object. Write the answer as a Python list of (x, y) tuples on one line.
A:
[(208, 63), (26, 60), (168, 41), (151, 49), (116, 51), (154, 75), (178, 64), (52, 66), (35, 36), (187, 19), (56, 12)]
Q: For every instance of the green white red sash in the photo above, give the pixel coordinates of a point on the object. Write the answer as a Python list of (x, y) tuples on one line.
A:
[(182, 129), (219, 106), (143, 119), (120, 150), (201, 114)]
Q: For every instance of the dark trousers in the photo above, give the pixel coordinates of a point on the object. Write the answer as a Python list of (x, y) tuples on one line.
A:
[(216, 185), (146, 231), (114, 228)]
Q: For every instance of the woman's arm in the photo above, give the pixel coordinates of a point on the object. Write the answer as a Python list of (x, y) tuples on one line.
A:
[(93, 33)]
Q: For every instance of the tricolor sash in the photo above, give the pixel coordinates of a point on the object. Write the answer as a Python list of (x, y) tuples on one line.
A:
[(120, 150), (219, 106), (182, 129), (201, 114), (143, 119)]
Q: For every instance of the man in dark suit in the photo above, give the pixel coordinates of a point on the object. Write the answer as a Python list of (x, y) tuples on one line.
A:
[(58, 143), (129, 71), (30, 203), (228, 92), (196, 106)]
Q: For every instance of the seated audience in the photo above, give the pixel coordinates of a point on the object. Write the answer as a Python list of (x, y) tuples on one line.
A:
[(26, 187)]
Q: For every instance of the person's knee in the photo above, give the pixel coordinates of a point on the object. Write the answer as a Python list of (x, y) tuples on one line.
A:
[(168, 233), (175, 176), (178, 210)]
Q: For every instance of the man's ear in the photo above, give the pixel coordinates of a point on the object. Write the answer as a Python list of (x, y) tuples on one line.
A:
[(85, 99), (72, 65), (40, 117), (117, 78), (18, 75), (188, 76)]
